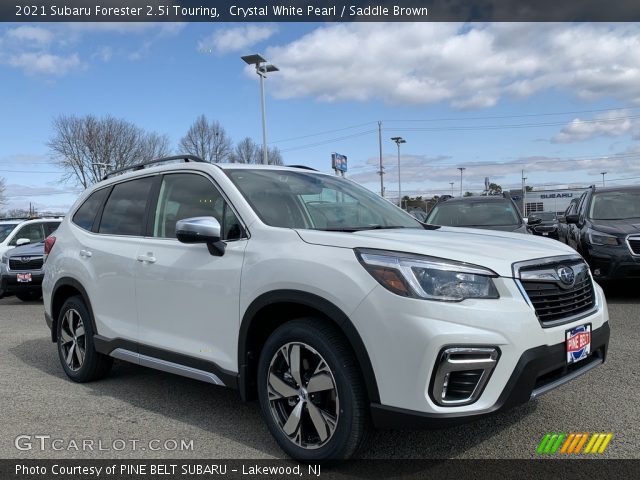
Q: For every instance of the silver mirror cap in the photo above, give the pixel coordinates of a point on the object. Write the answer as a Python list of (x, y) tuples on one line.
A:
[(203, 229)]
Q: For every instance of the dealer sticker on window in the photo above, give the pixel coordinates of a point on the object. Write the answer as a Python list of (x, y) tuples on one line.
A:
[(578, 343), (24, 277)]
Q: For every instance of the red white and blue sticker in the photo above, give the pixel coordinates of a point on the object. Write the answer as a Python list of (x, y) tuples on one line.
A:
[(578, 343)]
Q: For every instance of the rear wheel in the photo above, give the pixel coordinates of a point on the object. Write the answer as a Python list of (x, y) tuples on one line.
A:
[(78, 356), (311, 393)]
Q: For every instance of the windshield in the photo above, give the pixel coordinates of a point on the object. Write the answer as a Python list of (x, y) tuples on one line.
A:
[(474, 214), (615, 205), (290, 199), (544, 216), (5, 230)]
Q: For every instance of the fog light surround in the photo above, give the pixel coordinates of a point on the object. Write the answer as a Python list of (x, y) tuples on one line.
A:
[(461, 373)]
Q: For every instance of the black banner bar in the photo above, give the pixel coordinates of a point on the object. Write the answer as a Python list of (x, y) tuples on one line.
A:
[(319, 11), (360, 469)]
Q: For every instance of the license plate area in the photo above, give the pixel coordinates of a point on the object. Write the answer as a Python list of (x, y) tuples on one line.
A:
[(23, 277), (578, 343)]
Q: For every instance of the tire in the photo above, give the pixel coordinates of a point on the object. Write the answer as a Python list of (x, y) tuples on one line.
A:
[(75, 332), (326, 419), (29, 296)]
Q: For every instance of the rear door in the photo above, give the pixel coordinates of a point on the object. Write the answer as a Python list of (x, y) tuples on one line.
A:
[(188, 299), (108, 256)]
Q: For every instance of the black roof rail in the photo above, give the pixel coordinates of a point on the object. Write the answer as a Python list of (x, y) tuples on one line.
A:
[(155, 161), (37, 217), (303, 167)]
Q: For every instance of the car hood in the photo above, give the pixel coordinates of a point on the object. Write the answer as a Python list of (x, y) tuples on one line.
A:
[(488, 248), (617, 227), (27, 250)]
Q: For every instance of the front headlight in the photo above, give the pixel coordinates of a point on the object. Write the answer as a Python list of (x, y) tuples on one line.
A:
[(4, 260), (601, 238), (425, 277)]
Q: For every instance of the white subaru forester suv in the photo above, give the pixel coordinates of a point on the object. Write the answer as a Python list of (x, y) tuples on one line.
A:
[(336, 309)]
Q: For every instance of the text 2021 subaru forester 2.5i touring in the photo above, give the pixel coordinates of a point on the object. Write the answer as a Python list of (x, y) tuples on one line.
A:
[(333, 307)]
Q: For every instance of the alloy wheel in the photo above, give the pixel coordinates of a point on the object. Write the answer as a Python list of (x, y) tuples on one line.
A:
[(73, 340), (303, 397)]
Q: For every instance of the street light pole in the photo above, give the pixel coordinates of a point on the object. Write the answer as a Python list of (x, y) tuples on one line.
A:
[(451, 183), (398, 141), (603, 174), (262, 68), (462, 169)]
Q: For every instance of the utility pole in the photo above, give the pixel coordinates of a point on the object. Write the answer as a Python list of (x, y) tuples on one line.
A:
[(381, 171), (462, 169), (451, 183), (398, 141), (603, 174)]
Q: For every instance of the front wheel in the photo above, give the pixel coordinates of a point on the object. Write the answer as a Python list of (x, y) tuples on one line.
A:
[(311, 392)]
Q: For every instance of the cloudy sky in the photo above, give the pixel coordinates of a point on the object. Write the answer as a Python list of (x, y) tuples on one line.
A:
[(560, 101)]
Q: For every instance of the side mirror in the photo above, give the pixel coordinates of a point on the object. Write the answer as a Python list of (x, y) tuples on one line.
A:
[(201, 230), (573, 218), (22, 241), (533, 220)]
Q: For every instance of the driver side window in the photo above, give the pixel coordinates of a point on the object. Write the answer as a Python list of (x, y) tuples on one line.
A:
[(33, 232), (186, 195)]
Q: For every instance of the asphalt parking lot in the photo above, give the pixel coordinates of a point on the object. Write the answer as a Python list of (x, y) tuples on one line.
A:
[(135, 403)]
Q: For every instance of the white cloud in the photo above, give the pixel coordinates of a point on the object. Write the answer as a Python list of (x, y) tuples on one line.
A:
[(469, 66), (236, 39), (36, 35), (45, 63), (614, 123)]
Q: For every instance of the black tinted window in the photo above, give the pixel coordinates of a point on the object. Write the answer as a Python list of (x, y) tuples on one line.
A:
[(50, 227), (86, 214), (474, 214), (124, 211)]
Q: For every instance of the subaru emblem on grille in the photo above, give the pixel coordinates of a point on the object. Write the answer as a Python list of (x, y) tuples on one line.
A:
[(566, 275), (25, 259)]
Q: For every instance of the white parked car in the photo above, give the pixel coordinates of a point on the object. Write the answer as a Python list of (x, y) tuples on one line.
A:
[(23, 231), (334, 308)]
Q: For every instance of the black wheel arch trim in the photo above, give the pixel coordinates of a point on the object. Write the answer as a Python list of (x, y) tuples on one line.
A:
[(318, 303), (70, 282)]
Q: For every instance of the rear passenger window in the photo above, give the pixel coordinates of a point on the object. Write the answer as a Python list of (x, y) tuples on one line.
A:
[(50, 227), (86, 214), (124, 211)]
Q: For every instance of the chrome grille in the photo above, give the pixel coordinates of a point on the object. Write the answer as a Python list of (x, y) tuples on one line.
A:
[(554, 300), (634, 244), (25, 263)]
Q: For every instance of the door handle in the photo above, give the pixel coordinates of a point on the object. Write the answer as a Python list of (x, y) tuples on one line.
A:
[(85, 253), (148, 258)]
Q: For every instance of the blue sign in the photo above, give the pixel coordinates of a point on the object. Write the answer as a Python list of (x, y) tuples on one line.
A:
[(339, 162)]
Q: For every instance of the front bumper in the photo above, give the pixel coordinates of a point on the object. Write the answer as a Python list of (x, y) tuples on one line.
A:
[(538, 371), (9, 284), (612, 263), (405, 337)]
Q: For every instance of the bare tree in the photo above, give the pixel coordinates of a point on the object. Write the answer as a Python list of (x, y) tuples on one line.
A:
[(274, 157), (207, 140), (248, 151), (3, 189), (86, 147)]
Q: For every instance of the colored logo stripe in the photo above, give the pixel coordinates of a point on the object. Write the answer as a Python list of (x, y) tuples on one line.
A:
[(573, 443)]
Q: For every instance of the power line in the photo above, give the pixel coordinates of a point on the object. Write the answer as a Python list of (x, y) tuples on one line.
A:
[(324, 142), (323, 133)]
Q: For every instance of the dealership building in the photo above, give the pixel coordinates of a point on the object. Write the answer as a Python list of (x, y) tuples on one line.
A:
[(545, 200)]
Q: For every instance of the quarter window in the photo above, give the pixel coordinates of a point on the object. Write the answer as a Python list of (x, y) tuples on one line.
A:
[(184, 195), (124, 211), (86, 214)]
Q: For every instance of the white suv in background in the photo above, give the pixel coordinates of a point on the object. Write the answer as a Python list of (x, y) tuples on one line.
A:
[(22, 231), (333, 307)]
